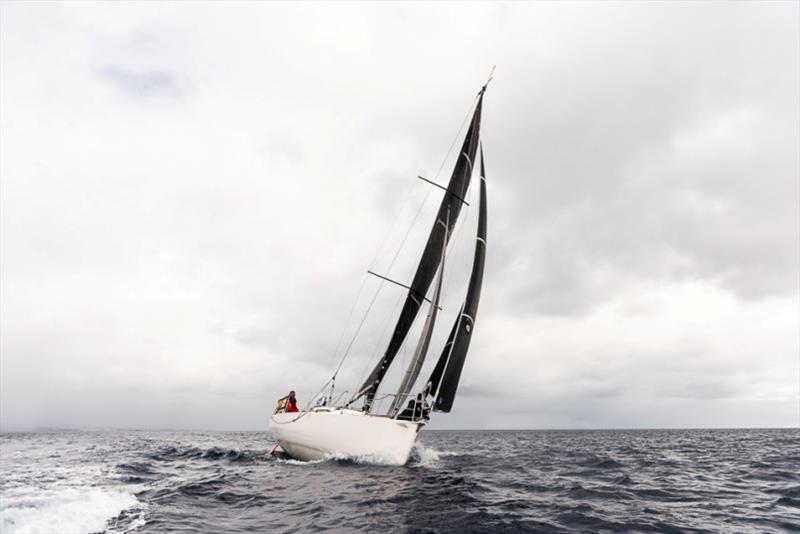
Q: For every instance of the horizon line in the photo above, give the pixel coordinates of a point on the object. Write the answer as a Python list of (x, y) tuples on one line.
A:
[(46, 429)]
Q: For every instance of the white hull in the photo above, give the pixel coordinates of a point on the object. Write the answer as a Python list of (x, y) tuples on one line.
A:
[(341, 433)]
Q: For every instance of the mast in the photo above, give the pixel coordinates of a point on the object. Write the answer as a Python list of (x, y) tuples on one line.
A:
[(443, 382), (439, 236), (424, 341)]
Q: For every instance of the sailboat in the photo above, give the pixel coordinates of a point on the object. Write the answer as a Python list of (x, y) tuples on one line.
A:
[(331, 431)]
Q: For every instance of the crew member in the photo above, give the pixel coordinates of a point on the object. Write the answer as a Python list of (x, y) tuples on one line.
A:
[(291, 403)]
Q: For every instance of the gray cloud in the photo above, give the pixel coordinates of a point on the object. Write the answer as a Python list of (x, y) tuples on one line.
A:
[(190, 197)]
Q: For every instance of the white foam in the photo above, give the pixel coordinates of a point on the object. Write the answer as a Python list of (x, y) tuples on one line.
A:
[(66, 510), (292, 461), (428, 456), (421, 456), (338, 457), (367, 459)]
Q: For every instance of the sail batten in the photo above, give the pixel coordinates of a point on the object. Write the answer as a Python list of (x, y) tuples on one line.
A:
[(449, 210)]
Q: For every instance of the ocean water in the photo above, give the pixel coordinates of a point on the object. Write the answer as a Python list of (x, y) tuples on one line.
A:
[(457, 481)]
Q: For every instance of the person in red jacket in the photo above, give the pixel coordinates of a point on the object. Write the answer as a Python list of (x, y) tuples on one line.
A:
[(291, 404)]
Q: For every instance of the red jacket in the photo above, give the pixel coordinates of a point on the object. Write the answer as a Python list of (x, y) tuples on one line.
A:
[(291, 405)]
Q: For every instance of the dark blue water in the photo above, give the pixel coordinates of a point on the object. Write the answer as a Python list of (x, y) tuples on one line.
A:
[(457, 481)]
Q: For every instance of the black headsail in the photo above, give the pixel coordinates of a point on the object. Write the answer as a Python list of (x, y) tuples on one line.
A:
[(431, 256), (445, 376)]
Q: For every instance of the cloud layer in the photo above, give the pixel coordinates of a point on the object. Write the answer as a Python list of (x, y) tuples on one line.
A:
[(190, 196)]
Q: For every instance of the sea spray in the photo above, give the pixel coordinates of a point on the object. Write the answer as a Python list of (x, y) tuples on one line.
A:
[(32, 509)]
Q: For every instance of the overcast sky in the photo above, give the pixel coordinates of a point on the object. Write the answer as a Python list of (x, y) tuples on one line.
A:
[(191, 193)]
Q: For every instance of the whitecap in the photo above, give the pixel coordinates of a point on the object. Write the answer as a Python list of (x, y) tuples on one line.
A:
[(423, 456), (66, 510)]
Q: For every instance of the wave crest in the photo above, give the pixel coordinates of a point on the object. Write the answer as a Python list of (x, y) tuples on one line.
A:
[(72, 509)]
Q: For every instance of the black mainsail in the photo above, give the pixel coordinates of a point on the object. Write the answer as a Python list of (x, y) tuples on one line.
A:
[(449, 210), (443, 382)]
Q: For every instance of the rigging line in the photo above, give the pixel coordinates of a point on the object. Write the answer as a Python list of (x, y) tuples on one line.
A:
[(408, 232), (408, 195), (316, 396), (375, 259), (361, 324), (406, 198), (347, 322), (411, 226), (457, 136), (381, 337), (436, 174), (430, 188)]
